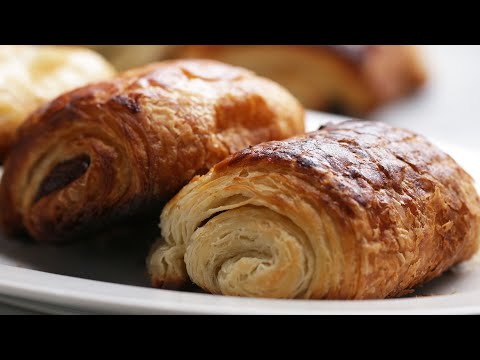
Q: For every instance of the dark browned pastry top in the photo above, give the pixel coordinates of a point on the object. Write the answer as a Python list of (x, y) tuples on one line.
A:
[(360, 162), (356, 210), (113, 148)]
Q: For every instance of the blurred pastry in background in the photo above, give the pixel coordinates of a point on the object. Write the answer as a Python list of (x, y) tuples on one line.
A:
[(32, 75), (346, 79), (125, 57)]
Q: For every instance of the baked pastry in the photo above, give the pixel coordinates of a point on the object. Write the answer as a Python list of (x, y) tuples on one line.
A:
[(32, 75), (125, 57), (346, 79), (357, 210), (125, 146)]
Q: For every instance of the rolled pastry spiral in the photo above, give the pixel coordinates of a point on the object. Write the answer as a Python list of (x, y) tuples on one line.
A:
[(125, 146), (357, 210)]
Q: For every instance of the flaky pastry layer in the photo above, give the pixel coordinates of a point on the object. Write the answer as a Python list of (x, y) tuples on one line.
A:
[(121, 147), (357, 210)]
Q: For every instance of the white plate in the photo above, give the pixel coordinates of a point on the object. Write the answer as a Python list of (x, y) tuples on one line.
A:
[(62, 280), (66, 280)]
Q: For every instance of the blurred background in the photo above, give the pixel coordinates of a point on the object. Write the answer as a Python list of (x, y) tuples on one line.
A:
[(428, 89), (447, 108)]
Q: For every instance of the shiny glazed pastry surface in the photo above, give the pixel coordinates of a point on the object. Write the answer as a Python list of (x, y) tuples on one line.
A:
[(32, 75), (357, 210), (347, 79), (124, 146)]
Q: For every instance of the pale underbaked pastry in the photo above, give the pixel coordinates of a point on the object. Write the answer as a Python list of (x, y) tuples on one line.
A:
[(121, 147), (125, 57), (357, 210), (32, 75), (346, 79)]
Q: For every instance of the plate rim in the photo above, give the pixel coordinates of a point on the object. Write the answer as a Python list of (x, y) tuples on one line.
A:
[(97, 296), (44, 290)]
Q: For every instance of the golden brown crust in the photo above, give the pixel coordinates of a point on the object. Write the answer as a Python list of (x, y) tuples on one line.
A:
[(356, 210), (32, 75), (117, 147), (350, 79)]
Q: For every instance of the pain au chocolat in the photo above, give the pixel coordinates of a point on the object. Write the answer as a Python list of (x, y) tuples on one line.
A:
[(347, 79), (116, 148), (357, 210)]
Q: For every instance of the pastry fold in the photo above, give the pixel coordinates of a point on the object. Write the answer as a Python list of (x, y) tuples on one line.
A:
[(125, 146), (347, 79), (32, 75), (356, 210)]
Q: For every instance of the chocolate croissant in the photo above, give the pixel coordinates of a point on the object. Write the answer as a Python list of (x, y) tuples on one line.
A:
[(122, 147), (346, 79), (32, 75), (357, 210)]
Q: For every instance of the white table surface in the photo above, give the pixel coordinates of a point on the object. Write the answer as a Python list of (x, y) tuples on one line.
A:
[(447, 109)]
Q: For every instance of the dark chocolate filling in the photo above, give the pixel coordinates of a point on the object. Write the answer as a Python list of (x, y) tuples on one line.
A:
[(62, 175)]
